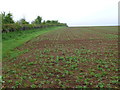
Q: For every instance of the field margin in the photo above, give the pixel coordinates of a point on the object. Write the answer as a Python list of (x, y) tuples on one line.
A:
[(9, 51)]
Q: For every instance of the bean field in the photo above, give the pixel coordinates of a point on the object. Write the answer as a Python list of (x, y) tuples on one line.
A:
[(70, 57)]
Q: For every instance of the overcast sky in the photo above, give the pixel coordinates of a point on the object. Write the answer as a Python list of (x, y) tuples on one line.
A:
[(72, 12)]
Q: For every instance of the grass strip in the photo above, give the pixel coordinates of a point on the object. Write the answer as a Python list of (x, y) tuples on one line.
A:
[(15, 39)]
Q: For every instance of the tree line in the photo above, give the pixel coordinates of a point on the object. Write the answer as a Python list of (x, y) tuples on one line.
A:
[(9, 25)]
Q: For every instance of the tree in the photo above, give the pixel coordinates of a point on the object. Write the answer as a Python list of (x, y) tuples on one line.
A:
[(38, 20), (7, 19), (48, 21), (52, 21), (55, 22), (22, 21)]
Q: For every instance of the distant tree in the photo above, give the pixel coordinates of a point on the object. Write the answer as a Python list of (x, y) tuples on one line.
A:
[(52, 21), (38, 20), (22, 21), (7, 19), (48, 21)]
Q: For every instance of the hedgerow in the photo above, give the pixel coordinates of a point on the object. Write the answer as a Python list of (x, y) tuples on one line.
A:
[(14, 27)]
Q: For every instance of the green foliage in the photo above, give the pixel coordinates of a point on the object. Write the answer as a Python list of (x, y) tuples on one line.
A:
[(52, 21), (7, 18), (23, 21), (9, 25), (14, 27), (43, 22), (38, 20)]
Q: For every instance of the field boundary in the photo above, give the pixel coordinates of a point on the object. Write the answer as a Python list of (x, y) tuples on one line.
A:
[(20, 41)]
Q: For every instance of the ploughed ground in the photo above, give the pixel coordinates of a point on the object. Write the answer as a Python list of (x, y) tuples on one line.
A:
[(74, 57)]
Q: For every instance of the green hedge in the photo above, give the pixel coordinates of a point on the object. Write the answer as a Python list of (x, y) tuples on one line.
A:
[(14, 27)]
